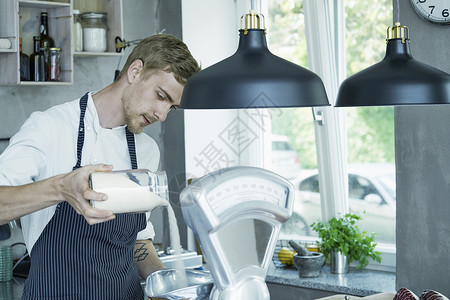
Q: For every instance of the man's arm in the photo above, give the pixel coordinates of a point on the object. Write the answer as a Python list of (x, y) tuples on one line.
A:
[(146, 258), (73, 187)]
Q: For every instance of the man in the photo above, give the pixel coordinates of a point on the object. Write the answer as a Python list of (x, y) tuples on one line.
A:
[(77, 251)]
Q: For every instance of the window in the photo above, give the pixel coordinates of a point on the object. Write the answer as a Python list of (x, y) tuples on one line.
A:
[(368, 131), (287, 39)]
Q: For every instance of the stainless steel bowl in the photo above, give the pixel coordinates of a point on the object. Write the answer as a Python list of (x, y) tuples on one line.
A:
[(166, 284)]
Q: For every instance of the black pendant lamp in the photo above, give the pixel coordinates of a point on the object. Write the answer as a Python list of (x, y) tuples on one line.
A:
[(253, 78), (398, 79)]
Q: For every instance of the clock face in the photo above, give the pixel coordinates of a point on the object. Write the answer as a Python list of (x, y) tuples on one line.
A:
[(436, 11)]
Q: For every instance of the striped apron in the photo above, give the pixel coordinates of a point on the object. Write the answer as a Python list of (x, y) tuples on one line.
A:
[(75, 260)]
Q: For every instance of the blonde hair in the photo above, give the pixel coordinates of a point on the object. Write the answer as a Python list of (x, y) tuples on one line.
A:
[(163, 52)]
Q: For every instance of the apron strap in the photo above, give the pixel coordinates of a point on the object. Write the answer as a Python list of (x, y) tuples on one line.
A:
[(131, 148), (80, 141)]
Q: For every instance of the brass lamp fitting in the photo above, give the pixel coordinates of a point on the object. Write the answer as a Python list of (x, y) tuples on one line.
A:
[(397, 32), (253, 20)]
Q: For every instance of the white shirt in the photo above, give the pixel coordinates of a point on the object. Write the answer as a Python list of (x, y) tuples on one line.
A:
[(46, 145)]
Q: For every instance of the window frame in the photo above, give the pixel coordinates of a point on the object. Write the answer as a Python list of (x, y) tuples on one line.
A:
[(325, 33)]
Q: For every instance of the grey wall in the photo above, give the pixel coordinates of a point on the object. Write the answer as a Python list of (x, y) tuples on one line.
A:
[(173, 129), (141, 18), (423, 171)]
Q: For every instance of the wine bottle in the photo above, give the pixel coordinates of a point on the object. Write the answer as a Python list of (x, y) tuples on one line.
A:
[(37, 63), (46, 41), (24, 63)]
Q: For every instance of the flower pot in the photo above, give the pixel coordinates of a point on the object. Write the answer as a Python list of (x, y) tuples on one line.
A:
[(339, 262)]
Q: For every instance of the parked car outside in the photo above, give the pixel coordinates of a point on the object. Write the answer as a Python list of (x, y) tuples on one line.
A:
[(371, 195), (285, 161)]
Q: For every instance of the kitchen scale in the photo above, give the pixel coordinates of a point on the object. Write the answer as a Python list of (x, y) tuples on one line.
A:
[(236, 214)]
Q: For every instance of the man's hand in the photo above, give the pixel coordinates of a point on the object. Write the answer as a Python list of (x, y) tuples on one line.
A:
[(74, 188)]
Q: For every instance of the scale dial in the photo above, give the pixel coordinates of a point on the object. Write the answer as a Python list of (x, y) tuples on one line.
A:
[(244, 189), (434, 11)]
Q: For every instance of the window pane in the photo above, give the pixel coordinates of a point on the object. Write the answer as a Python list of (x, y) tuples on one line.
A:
[(370, 130), (370, 133), (294, 157), (293, 153)]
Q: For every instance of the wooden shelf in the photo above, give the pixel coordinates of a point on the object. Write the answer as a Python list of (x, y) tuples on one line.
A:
[(42, 4), (21, 18), (114, 16), (44, 83), (97, 53)]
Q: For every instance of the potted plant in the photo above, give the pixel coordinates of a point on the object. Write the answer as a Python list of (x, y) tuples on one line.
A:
[(342, 236)]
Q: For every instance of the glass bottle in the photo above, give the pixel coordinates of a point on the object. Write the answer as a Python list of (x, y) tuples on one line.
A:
[(46, 41), (94, 32), (24, 63), (37, 63), (6, 263), (130, 191), (77, 32), (54, 66)]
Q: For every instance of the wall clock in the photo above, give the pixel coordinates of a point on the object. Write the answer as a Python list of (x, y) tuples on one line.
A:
[(435, 11)]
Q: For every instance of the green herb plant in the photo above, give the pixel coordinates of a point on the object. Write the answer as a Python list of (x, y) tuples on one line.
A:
[(342, 234)]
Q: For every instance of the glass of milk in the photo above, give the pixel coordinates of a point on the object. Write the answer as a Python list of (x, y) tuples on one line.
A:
[(130, 191)]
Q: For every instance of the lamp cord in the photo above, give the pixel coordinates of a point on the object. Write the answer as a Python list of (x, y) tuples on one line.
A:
[(252, 2), (398, 11)]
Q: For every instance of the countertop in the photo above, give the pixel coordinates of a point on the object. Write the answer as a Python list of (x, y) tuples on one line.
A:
[(355, 282)]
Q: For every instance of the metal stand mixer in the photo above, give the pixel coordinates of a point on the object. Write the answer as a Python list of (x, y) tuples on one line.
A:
[(236, 214)]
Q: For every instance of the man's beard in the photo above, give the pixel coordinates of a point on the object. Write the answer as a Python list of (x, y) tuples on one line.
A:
[(132, 124), (131, 118)]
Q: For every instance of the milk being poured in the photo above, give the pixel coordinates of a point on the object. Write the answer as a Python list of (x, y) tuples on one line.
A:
[(176, 246), (132, 191)]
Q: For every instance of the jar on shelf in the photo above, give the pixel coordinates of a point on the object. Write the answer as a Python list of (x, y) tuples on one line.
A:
[(54, 65), (77, 32), (94, 31)]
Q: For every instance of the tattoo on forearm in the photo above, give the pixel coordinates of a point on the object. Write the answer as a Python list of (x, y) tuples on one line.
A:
[(141, 251)]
